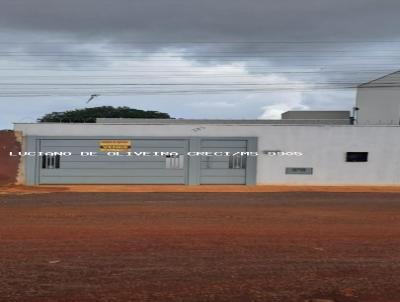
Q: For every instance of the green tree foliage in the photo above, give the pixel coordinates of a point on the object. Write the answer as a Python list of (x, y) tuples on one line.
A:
[(89, 115)]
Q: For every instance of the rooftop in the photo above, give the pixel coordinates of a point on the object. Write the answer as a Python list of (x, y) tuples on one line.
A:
[(222, 122), (390, 80)]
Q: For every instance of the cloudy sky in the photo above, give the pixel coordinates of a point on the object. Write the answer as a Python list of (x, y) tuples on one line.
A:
[(193, 59)]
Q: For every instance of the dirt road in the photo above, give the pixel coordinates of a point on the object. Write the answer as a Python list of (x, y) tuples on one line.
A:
[(186, 247)]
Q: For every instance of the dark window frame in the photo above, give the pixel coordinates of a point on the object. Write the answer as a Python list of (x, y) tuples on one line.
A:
[(357, 157), (51, 161)]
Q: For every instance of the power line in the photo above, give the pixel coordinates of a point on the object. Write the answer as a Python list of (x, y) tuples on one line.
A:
[(218, 88), (208, 42), (182, 84), (166, 56)]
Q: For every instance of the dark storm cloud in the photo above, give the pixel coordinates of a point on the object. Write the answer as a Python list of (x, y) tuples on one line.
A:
[(163, 22), (226, 20)]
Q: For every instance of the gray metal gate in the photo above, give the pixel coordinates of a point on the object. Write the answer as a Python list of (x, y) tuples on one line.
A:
[(223, 169), (103, 169)]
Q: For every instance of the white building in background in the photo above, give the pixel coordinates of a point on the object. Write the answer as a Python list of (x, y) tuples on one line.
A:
[(378, 101), (309, 147)]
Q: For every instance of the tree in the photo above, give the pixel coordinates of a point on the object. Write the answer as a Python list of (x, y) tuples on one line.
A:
[(89, 115)]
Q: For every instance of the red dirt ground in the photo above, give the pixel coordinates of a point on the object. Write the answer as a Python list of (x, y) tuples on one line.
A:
[(8, 164), (287, 246), (21, 189)]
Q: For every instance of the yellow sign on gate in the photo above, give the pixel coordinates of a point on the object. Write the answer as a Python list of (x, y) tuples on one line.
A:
[(115, 145)]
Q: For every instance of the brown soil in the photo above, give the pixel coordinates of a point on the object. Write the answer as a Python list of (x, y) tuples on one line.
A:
[(292, 246), (8, 164), (19, 189)]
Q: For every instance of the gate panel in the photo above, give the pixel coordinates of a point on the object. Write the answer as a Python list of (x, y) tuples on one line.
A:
[(103, 169), (223, 169)]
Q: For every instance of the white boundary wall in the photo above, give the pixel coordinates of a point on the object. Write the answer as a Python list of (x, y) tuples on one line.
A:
[(324, 147)]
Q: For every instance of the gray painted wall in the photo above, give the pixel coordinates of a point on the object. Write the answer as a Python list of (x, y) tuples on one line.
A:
[(317, 115), (103, 169)]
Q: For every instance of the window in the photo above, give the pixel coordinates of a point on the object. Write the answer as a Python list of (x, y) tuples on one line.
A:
[(356, 157), (237, 162), (300, 171), (174, 161), (50, 161)]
